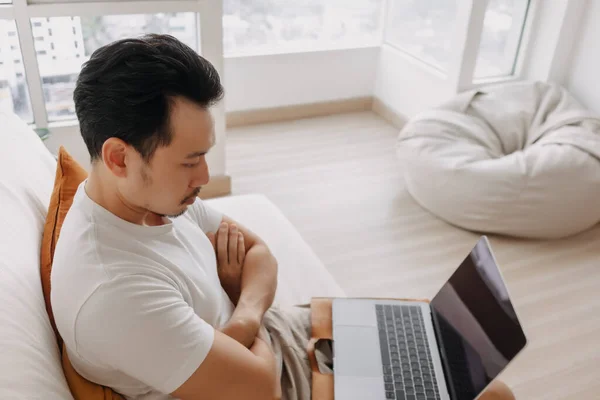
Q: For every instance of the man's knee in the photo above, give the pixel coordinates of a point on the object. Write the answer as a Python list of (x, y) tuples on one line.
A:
[(498, 390)]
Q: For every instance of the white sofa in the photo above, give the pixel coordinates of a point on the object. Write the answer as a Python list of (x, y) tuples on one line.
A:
[(29, 360)]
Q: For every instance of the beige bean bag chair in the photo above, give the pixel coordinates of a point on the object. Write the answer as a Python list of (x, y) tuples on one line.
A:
[(520, 159)]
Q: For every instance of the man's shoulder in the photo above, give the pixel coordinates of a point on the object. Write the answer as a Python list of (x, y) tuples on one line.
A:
[(79, 267), (86, 239), (76, 272), (77, 241)]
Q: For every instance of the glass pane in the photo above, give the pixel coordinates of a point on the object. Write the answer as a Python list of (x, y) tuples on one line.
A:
[(63, 44), (266, 26), (14, 93), (500, 39), (5, 1), (423, 28)]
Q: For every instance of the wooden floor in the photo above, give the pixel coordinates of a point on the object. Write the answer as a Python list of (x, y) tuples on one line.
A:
[(337, 180)]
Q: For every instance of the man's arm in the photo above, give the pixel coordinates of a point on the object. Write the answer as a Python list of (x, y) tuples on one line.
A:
[(231, 371), (258, 286), (140, 325)]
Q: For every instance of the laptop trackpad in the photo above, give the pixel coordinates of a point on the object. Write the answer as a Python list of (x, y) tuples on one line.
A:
[(357, 351)]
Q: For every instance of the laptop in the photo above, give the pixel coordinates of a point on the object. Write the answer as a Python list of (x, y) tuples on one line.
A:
[(448, 349)]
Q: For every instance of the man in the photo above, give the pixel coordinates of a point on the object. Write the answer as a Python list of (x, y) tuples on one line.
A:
[(138, 295), (155, 294)]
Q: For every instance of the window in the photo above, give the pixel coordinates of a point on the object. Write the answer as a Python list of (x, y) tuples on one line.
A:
[(423, 29), (39, 39), (501, 38), (59, 74), (14, 93), (41, 52), (265, 26), (37, 24), (12, 33)]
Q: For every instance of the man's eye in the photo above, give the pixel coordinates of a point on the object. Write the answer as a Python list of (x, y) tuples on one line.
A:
[(189, 165)]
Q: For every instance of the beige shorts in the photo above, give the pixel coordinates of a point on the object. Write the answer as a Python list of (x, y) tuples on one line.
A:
[(289, 330)]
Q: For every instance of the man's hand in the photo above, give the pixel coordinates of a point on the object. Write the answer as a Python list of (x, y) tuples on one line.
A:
[(231, 253), (251, 284)]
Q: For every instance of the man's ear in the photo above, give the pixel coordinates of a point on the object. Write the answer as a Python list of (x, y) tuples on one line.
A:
[(114, 153)]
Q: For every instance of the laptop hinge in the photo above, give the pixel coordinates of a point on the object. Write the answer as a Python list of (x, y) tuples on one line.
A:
[(440, 345)]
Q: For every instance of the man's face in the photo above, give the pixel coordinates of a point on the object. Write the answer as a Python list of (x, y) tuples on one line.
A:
[(170, 181)]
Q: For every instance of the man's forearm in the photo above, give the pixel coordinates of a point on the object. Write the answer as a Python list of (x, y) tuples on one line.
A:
[(259, 283)]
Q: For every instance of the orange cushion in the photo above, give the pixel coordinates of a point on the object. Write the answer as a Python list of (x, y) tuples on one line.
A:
[(69, 175)]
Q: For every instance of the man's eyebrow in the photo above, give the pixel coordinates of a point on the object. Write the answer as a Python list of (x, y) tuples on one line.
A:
[(196, 154), (203, 153)]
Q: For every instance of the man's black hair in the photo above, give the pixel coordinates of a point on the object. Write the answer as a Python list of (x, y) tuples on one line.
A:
[(127, 87)]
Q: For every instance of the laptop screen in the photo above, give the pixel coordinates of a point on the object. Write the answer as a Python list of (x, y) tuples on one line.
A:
[(477, 329)]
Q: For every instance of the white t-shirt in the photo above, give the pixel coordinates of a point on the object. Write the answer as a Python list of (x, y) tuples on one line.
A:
[(137, 306)]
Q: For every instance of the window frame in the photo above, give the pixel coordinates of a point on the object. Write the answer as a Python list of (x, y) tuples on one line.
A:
[(467, 36), (21, 12), (515, 39)]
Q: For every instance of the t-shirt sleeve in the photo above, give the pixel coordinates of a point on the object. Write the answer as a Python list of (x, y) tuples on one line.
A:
[(205, 216), (141, 325)]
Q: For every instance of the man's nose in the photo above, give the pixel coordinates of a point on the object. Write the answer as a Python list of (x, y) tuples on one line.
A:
[(201, 175)]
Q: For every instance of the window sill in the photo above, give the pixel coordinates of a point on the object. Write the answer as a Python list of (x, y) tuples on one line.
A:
[(300, 50), (480, 82)]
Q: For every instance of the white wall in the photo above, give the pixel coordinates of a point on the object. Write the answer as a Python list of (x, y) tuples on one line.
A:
[(298, 78), (406, 85), (549, 45), (583, 76)]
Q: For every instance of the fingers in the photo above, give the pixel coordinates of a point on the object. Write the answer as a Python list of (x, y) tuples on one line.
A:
[(241, 249), (222, 241), (228, 244), (233, 244)]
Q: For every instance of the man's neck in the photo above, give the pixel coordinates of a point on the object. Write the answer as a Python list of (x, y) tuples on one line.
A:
[(106, 194)]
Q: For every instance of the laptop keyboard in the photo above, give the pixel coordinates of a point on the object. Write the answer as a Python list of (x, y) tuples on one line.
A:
[(407, 367)]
